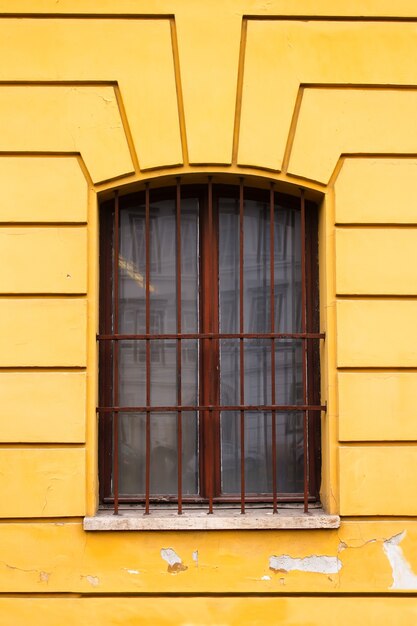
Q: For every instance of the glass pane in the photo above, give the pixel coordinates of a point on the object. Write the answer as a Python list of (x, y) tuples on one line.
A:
[(230, 370), (162, 270), (189, 372), (132, 271), (132, 373), (288, 371), (230, 451), (290, 452), (258, 452), (163, 372), (164, 453), (229, 265), (164, 457), (256, 267), (132, 439), (189, 265), (163, 364), (287, 270), (257, 352)]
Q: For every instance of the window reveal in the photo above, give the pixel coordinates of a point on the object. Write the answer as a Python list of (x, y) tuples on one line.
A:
[(210, 397)]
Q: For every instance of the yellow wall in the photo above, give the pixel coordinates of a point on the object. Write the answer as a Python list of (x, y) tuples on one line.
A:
[(107, 93)]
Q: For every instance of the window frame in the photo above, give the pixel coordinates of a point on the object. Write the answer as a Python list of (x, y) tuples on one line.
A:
[(210, 454)]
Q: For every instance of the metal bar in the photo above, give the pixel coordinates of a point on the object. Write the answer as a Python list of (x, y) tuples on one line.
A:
[(214, 407), (263, 498), (148, 351), (272, 315), (117, 337), (304, 349), (241, 347), (179, 361), (116, 355), (210, 317), (211, 357)]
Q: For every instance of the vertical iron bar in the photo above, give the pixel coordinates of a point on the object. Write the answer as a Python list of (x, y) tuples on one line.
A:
[(211, 355), (304, 350), (148, 350), (272, 330), (116, 355), (241, 350), (179, 355)]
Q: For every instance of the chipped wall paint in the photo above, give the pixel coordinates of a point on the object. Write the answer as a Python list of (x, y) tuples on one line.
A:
[(402, 574), (175, 563), (93, 580), (314, 564)]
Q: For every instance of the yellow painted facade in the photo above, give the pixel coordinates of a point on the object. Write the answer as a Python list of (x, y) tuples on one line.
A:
[(107, 94)]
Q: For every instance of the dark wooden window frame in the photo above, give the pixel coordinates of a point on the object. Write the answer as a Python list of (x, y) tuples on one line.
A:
[(208, 337)]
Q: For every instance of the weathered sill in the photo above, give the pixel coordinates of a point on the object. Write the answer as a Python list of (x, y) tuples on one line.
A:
[(230, 519)]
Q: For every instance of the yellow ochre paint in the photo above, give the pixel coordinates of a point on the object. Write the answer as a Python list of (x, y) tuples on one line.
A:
[(113, 93)]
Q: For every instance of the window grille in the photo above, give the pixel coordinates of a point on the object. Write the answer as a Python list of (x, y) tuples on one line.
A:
[(209, 348)]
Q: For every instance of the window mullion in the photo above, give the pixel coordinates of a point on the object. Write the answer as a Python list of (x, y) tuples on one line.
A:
[(209, 384)]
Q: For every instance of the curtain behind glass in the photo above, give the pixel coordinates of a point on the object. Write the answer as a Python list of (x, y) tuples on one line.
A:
[(163, 353), (257, 352)]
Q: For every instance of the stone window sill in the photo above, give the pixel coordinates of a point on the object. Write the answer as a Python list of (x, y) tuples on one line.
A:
[(221, 519)]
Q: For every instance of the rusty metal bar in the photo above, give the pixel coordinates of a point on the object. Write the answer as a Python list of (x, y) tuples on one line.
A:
[(272, 315), (211, 359), (148, 351), (179, 361), (116, 354), (263, 498), (214, 407), (241, 347), (304, 349), (116, 337)]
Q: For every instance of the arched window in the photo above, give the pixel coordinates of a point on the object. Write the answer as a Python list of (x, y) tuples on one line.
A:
[(209, 337)]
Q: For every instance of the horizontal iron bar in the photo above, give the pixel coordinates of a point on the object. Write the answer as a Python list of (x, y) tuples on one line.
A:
[(212, 336), (212, 407), (264, 498)]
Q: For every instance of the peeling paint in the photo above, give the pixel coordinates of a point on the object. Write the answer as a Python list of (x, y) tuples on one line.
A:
[(315, 564), (195, 557), (44, 577), (93, 580), (266, 578), (344, 546), (175, 564), (131, 571), (402, 574)]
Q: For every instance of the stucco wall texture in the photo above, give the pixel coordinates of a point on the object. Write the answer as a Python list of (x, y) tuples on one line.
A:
[(105, 94)]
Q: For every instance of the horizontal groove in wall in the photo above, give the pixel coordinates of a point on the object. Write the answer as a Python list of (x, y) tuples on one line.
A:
[(44, 296), (58, 83), (215, 594), (52, 521), (361, 86), (392, 443), (387, 369), (373, 296), (250, 17), (379, 518), (29, 445), (50, 224), (35, 368), (330, 18), (88, 16), (376, 226)]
